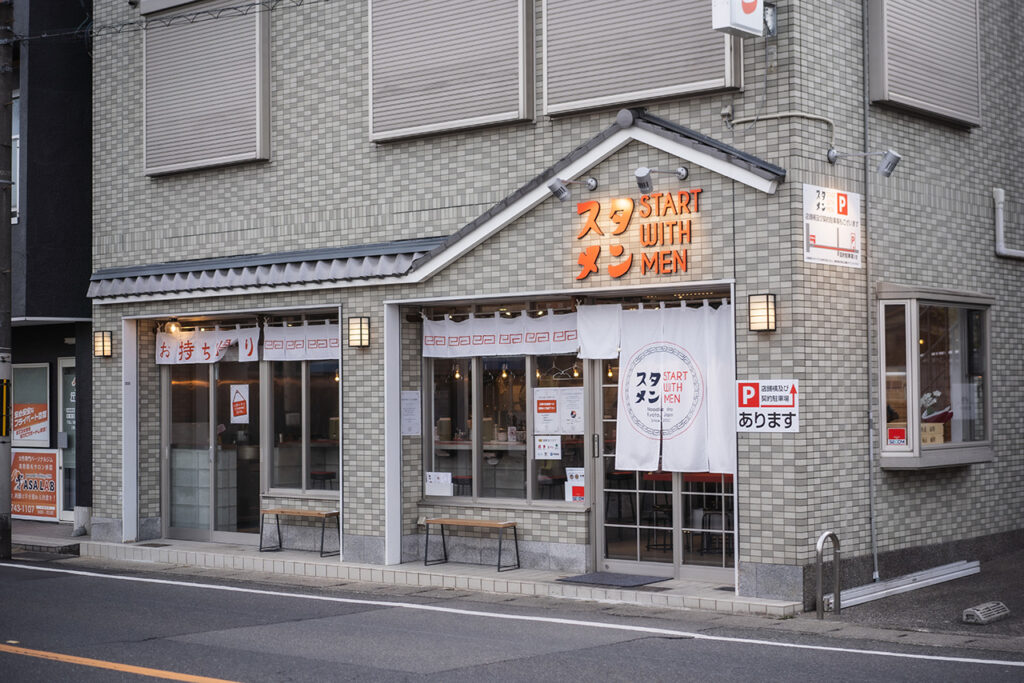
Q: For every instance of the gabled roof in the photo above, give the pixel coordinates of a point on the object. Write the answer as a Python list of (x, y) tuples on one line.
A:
[(630, 125), (411, 261)]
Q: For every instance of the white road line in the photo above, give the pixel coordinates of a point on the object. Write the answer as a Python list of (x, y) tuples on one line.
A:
[(517, 617)]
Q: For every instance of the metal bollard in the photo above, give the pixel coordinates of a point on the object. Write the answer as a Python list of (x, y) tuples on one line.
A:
[(835, 564)]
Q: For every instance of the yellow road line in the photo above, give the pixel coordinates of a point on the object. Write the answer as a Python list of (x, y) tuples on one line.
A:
[(115, 666)]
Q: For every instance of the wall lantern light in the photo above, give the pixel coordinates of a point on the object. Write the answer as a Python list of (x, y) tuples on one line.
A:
[(762, 312), (559, 187), (102, 343), (172, 327), (646, 184), (359, 331)]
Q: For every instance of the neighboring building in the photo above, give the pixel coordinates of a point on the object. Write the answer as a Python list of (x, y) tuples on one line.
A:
[(327, 246), (51, 242)]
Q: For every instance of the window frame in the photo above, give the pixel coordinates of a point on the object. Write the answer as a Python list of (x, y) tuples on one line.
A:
[(256, 149), (476, 399), (31, 443), (305, 460), (915, 455)]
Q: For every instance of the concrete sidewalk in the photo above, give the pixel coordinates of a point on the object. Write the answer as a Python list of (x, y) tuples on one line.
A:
[(672, 593), (933, 609)]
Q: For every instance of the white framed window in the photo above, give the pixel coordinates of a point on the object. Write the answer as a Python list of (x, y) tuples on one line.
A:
[(206, 92), (935, 378), (441, 65), (605, 52), (31, 405), (483, 433), (15, 152), (305, 425)]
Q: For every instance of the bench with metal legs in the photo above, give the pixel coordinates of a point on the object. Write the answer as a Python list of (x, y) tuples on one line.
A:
[(484, 523), (309, 514)]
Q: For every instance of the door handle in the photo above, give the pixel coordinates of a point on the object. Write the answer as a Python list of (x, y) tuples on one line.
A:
[(597, 445)]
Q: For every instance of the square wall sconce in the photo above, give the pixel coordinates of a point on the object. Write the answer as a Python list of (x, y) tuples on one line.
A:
[(359, 332), (762, 312), (102, 344)]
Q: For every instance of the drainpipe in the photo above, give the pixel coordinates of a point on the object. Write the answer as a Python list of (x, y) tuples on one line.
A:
[(870, 308), (999, 196)]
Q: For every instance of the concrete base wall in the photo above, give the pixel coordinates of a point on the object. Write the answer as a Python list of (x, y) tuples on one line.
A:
[(106, 529)]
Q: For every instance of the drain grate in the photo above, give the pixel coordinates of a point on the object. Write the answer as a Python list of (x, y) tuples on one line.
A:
[(985, 613), (153, 545)]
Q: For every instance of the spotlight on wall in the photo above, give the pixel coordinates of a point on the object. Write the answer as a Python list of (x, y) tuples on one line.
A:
[(102, 344), (646, 183), (560, 189), (172, 327), (762, 312), (359, 332), (885, 167)]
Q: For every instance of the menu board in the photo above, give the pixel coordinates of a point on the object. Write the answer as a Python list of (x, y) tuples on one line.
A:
[(558, 410)]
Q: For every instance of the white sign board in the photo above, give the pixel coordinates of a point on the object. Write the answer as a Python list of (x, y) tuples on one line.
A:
[(547, 447), (558, 410), (410, 413), (574, 490), (831, 227), (738, 17), (438, 484), (767, 405), (239, 404)]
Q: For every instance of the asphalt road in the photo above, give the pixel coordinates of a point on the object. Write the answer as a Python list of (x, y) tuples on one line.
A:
[(217, 625)]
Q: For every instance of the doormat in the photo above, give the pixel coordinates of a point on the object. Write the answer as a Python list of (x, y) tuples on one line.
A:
[(613, 579), (153, 545)]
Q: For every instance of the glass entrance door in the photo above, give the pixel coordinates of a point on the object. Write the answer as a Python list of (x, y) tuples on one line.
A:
[(659, 523), (67, 427), (237, 453), (635, 509), (214, 451)]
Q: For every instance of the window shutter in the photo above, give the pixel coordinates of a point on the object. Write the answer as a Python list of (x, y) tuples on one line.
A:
[(604, 52), (206, 101), (926, 57), (448, 64)]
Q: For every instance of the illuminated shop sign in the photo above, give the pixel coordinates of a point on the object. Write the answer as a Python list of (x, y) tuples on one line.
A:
[(650, 235)]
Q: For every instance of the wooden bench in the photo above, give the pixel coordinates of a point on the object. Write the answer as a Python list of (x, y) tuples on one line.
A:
[(308, 514), (484, 523)]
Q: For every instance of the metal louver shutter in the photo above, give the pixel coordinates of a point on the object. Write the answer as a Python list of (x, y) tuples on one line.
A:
[(206, 101), (926, 59), (604, 52), (447, 64)]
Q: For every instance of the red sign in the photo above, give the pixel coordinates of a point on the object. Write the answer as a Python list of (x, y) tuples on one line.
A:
[(34, 484), (897, 436), (547, 406), (749, 394), (31, 421), (842, 204)]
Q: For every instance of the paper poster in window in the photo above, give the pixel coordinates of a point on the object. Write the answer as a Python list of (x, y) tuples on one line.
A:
[(574, 484), (545, 411), (239, 404), (570, 410), (547, 447)]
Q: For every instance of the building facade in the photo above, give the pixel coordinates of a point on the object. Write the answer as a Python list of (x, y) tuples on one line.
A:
[(50, 247), (334, 249)]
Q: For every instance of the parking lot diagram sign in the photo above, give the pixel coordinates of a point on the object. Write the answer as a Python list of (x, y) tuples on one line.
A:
[(831, 220), (767, 405)]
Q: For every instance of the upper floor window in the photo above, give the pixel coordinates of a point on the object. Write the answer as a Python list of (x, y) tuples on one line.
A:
[(935, 380), (446, 64), (206, 86), (598, 54), (15, 152), (924, 60)]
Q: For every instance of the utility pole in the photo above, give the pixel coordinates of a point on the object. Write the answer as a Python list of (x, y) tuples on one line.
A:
[(6, 81)]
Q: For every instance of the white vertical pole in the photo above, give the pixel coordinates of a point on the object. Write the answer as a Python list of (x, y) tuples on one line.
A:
[(129, 431), (392, 435)]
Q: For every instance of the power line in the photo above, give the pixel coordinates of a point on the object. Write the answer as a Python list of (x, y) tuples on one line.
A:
[(169, 20)]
